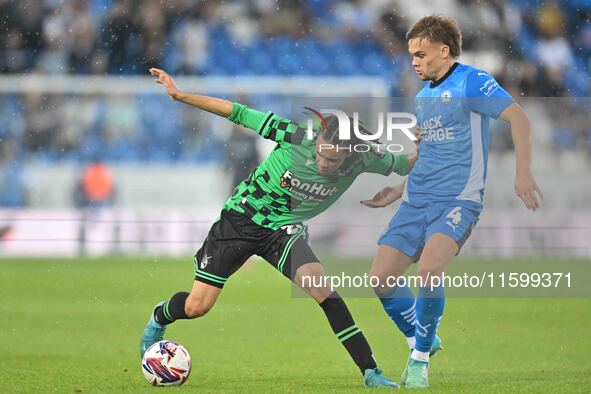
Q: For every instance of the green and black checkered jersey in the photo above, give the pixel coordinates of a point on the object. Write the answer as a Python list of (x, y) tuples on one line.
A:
[(287, 187)]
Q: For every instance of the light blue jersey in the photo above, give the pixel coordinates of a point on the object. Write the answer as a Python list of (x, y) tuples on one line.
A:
[(453, 114)]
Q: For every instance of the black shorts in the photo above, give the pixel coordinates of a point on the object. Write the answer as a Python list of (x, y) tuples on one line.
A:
[(234, 238)]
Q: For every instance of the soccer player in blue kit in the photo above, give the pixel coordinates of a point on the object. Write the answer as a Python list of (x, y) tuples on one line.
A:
[(444, 193)]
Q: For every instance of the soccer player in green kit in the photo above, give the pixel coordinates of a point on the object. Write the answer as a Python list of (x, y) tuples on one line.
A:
[(301, 178)]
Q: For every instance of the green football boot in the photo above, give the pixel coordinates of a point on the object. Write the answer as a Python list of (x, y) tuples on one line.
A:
[(375, 378), (417, 374), (153, 332), (435, 348)]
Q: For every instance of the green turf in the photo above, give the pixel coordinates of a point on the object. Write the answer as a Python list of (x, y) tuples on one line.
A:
[(74, 326)]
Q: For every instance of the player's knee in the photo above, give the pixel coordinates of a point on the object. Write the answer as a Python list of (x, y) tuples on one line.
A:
[(197, 307), (311, 278), (315, 287), (427, 273)]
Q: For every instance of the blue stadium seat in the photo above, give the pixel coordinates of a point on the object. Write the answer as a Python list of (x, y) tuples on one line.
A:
[(12, 186), (578, 80)]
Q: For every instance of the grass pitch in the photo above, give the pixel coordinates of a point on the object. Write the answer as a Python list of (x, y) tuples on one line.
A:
[(74, 326)]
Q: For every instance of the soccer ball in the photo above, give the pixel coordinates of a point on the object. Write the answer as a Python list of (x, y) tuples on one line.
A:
[(166, 363)]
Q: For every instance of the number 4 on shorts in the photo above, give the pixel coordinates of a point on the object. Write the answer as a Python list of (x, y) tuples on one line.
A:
[(456, 217)]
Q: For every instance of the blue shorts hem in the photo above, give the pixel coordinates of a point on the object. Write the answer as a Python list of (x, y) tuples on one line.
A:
[(399, 243)]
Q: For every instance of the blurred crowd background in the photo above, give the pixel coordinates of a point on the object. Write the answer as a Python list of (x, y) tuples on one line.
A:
[(539, 47), (534, 48)]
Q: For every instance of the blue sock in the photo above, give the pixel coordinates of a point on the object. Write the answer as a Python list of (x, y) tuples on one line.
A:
[(400, 306), (430, 305)]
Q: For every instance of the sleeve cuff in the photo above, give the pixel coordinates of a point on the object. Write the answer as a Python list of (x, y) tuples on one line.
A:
[(236, 108), (401, 166)]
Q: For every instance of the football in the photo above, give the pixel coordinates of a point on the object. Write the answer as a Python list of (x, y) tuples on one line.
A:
[(166, 363)]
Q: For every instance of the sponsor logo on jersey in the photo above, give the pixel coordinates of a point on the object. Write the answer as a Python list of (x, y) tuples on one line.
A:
[(432, 130), (313, 191), (286, 179), (489, 87)]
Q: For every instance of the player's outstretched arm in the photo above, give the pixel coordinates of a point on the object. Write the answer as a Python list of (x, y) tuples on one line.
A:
[(385, 197), (265, 124), (214, 105), (526, 187)]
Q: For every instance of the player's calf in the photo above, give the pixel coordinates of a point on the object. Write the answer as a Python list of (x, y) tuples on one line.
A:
[(180, 306), (196, 307), (172, 309), (354, 341), (183, 305), (343, 325), (400, 305)]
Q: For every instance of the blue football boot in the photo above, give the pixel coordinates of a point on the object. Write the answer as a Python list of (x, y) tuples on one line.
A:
[(153, 332), (375, 378)]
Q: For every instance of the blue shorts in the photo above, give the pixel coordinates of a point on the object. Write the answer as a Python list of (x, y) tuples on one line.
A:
[(413, 225)]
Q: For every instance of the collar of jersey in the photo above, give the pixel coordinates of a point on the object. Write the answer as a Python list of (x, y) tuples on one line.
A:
[(434, 84)]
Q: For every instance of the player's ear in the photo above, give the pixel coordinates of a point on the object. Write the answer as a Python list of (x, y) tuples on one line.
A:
[(444, 51)]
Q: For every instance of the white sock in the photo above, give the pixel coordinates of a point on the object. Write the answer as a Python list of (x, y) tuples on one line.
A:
[(420, 356), (411, 342)]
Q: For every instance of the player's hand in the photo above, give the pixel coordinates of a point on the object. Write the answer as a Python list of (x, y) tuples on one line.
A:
[(167, 81), (419, 134), (527, 190), (384, 197)]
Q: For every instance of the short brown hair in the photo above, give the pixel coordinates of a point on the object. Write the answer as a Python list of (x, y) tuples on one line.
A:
[(438, 28)]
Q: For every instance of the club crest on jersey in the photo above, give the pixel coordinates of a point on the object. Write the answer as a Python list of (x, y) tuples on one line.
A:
[(286, 179), (291, 229), (446, 96), (204, 262)]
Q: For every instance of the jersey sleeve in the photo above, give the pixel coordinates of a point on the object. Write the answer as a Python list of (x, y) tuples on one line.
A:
[(268, 125), (485, 95), (385, 163)]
